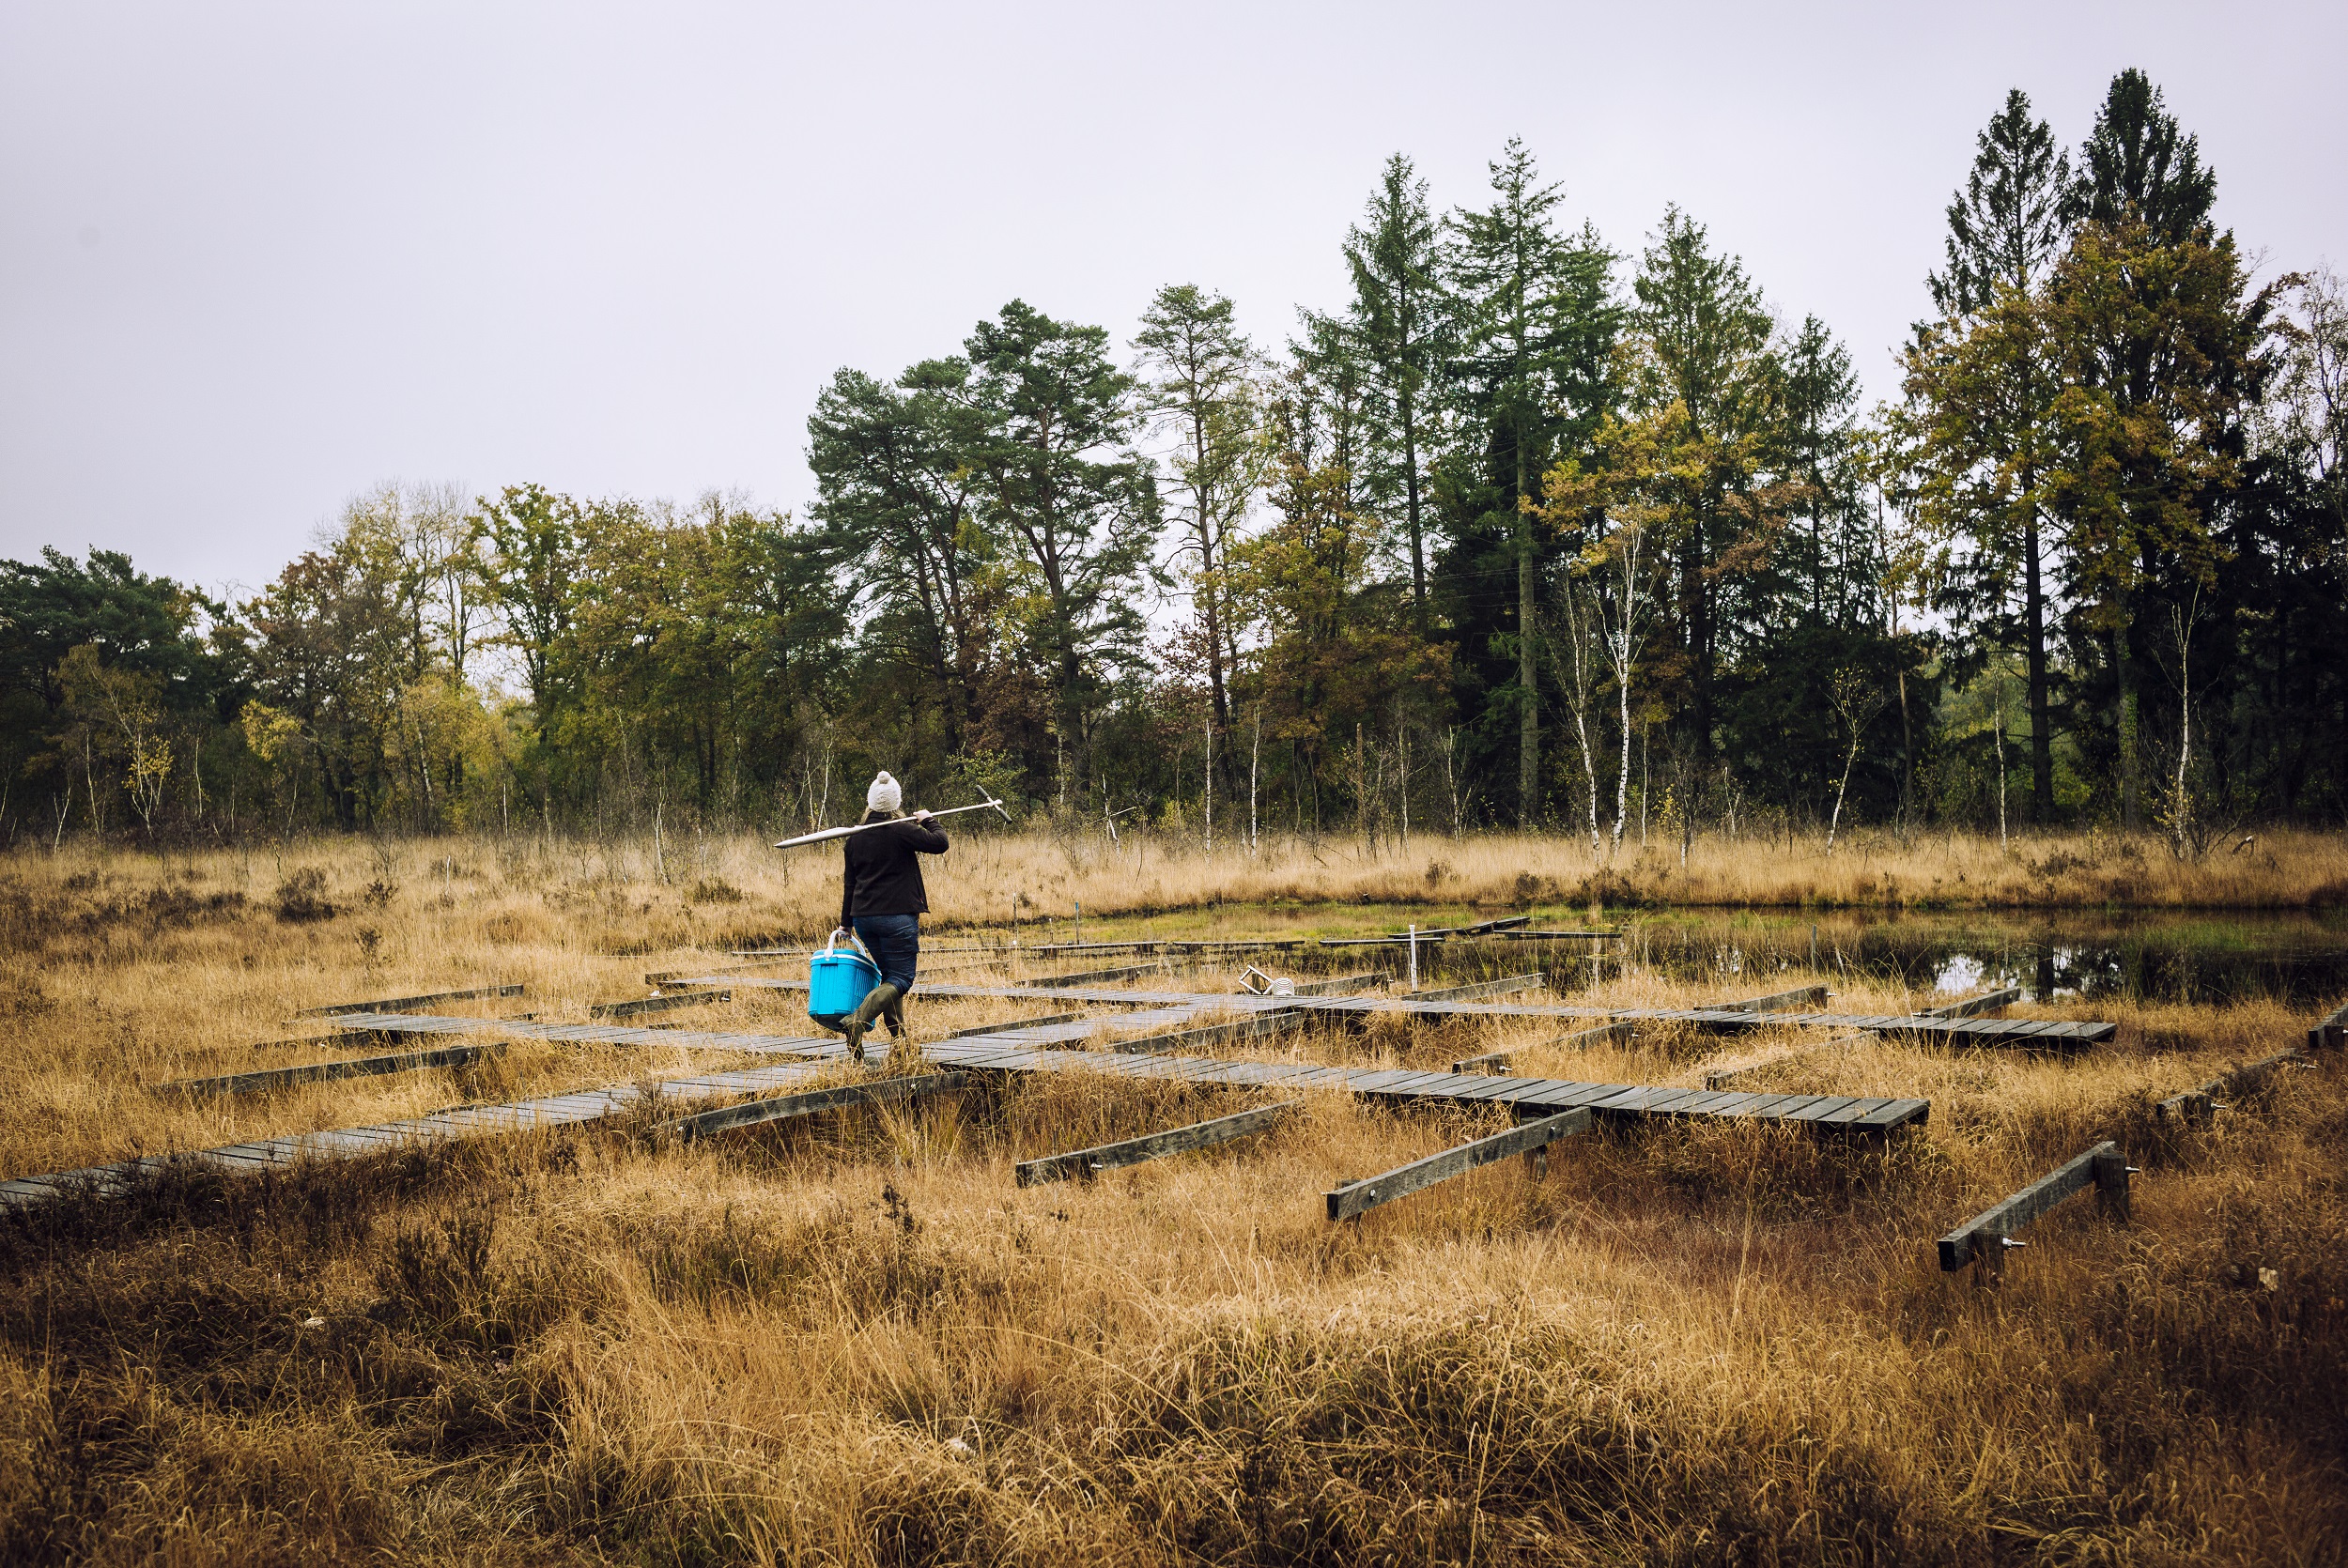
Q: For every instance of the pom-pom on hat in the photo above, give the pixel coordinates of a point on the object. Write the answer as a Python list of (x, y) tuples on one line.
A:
[(883, 794)]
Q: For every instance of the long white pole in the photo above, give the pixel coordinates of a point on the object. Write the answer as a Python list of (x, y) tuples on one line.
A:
[(843, 831)]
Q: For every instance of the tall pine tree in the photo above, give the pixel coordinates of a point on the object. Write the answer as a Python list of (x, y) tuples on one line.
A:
[(1400, 322), (1980, 388), (1536, 328), (1705, 344)]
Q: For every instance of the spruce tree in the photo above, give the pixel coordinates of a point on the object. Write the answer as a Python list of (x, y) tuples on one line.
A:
[(2136, 163), (1537, 329), (1400, 324), (2007, 227), (2141, 190), (1705, 339)]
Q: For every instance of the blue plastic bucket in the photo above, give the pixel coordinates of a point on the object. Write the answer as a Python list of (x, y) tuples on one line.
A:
[(837, 978)]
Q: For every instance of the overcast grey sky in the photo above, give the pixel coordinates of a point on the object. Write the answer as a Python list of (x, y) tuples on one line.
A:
[(256, 258)]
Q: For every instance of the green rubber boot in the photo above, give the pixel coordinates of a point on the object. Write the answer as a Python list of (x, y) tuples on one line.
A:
[(854, 1025), (903, 1055)]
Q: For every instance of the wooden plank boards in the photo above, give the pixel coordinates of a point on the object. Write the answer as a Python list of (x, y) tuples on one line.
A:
[(999, 1050), (1152, 945), (544, 1113), (409, 1004), (1484, 928), (1551, 936), (1987, 1002), (2331, 1032), (1720, 1078), (1776, 1001), (754, 1113), (1250, 1027), (1057, 982), (1357, 1198), (2042, 1034), (2199, 1104), (658, 1004), (1086, 1163), (992, 1040), (1986, 1237), (587, 1034), (1581, 1039), (271, 1079), (1045, 1022), (1482, 988), (1342, 985)]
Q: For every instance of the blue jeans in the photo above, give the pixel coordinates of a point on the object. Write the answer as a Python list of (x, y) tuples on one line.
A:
[(895, 942)]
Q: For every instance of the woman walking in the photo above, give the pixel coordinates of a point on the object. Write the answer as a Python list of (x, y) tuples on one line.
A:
[(882, 901)]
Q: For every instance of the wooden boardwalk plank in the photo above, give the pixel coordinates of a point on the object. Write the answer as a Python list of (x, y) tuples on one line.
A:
[(409, 1004), (1086, 1163), (1982, 1031), (994, 1052), (1819, 1108), (270, 1080), (1476, 988), (658, 1004), (2200, 1104), (758, 1112), (1988, 1001), (1582, 1040), (1984, 1237), (1250, 1027), (1775, 1002), (1023, 1023), (1357, 1198)]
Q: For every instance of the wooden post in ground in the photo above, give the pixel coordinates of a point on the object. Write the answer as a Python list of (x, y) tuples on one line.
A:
[(1984, 1240)]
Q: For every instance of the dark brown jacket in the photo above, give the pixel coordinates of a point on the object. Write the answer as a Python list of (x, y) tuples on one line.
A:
[(883, 875)]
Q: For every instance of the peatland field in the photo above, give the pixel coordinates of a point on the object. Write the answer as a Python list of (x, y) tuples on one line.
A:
[(853, 1338)]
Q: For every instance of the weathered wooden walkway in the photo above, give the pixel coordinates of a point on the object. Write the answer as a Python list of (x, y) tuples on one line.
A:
[(345, 1143), (2037, 1034), (1035, 1048)]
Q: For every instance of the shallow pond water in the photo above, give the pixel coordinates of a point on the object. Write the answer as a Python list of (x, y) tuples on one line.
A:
[(2199, 957), (2165, 956)]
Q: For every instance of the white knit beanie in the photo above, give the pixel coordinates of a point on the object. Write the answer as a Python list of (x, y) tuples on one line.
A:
[(883, 794)]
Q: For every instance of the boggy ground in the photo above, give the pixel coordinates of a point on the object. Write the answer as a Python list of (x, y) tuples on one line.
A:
[(856, 1340)]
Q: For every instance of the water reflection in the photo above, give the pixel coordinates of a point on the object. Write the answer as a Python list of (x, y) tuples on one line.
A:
[(2300, 960)]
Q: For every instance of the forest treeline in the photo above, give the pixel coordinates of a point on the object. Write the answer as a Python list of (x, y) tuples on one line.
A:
[(1534, 532)]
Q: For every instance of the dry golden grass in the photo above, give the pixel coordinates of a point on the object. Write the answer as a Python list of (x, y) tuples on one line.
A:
[(857, 1340), (1867, 870)]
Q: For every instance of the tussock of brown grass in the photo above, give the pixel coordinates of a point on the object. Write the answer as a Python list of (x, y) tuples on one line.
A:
[(854, 1339)]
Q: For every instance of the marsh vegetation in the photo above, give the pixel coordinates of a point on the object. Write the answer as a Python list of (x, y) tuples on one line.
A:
[(856, 1340)]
